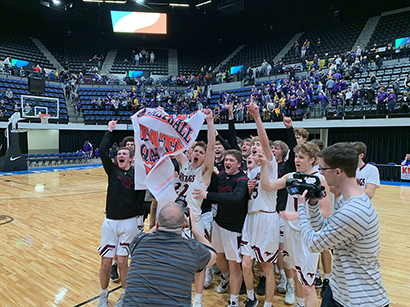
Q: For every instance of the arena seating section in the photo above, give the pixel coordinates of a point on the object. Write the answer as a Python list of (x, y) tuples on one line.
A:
[(78, 55), (254, 53), (192, 59), (56, 158), (21, 47), (20, 87), (389, 28), (335, 39), (159, 67), (58, 51)]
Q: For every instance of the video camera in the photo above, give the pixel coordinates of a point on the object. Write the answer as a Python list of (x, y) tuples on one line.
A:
[(298, 184), (181, 201)]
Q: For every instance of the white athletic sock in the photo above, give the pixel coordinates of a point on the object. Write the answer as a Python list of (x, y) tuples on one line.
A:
[(317, 273), (267, 304), (226, 275), (198, 297), (282, 272), (234, 298), (123, 290), (290, 281), (104, 292), (251, 294), (261, 274), (300, 302), (114, 261), (327, 276)]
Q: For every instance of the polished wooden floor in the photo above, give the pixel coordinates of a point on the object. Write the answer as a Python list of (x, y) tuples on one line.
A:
[(48, 253)]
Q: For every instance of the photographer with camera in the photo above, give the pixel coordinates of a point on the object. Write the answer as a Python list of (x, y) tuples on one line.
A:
[(163, 263), (352, 231), (295, 253)]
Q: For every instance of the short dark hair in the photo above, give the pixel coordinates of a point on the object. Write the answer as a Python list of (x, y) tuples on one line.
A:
[(360, 147), (235, 153), (343, 156), (200, 144), (319, 143), (127, 139), (126, 148)]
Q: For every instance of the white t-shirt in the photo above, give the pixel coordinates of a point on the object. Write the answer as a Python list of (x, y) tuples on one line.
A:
[(261, 200), (189, 179), (367, 174)]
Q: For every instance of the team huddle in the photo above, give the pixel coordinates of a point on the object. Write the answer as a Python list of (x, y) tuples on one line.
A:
[(236, 190)]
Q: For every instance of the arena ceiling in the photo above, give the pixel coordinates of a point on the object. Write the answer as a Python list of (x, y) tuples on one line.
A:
[(79, 21)]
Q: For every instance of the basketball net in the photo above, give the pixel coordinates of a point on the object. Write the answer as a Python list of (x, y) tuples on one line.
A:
[(44, 118)]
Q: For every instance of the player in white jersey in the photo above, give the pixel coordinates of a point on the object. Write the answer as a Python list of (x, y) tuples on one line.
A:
[(196, 173), (296, 255), (367, 175), (260, 233)]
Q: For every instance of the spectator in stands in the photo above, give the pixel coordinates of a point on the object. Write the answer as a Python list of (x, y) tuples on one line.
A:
[(348, 97), (381, 101), (329, 85), (324, 102), (27, 109), (406, 161), (407, 83), (78, 106), (354, 84), (152, 57), (391, 101), (16, 107), (362, 95), (37, 71), (365, 63), (378, 61), (264, 67), (2, 108), (373, 81), (9, 95), (296, 47), (341, 105)]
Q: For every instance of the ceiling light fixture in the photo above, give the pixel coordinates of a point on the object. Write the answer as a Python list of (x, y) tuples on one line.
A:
[(179, 4), (203, 3)]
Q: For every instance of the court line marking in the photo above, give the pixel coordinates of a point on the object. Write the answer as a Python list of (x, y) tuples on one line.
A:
[(10, 186), (95, 297)]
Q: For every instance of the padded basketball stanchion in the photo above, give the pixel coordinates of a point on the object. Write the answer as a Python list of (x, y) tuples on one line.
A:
[(44, 118), (13, 160)]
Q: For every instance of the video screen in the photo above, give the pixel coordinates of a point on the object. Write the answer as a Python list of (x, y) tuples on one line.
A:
[(139, 22), (401, 41), (19, 63), (236, 69), (138, 73)]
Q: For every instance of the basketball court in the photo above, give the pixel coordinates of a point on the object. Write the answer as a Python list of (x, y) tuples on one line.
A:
[(50, 224)]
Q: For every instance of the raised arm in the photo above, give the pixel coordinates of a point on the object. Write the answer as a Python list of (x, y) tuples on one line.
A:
[(105, 147), (210, 151), (266, 184), (290, 140), (232, 130), (224, 143), (253, 109)]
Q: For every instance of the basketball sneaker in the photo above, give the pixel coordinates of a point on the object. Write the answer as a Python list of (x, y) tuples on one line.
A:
[(318, 283), (209, 276), (325, 285), (223, 284), (260, 289), (233, 304), (114, 273), (103, 302), (197, 304), (282, 284), (251, 303), (290, 294), (120, 301)]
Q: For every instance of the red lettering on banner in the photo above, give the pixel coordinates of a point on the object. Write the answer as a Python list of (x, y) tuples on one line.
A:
[(405, 170)]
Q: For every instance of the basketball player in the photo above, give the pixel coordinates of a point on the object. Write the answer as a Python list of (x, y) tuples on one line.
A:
[(260, 233), (127, 142), (296, 255), (367, 175), (196, 173), (124, 214), (232, 199)]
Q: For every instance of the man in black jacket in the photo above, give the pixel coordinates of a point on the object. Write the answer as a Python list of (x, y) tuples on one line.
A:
[(124, 214)]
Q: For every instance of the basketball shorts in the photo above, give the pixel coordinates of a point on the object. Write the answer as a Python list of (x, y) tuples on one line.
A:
[(228, 242), (282, 229), (116, 235), (260, 236), (207, 219), (296, 255)]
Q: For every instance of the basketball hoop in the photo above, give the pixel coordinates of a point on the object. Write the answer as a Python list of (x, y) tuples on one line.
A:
[(44, 118)]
